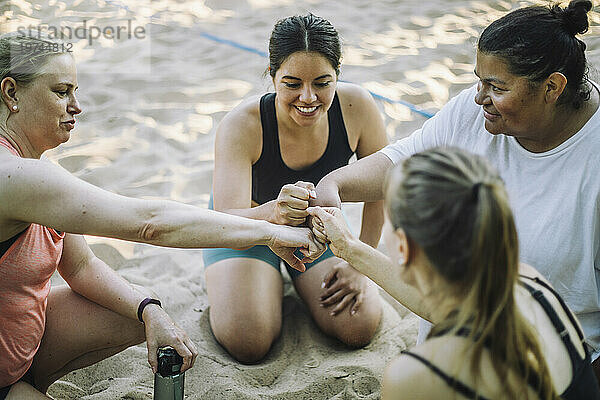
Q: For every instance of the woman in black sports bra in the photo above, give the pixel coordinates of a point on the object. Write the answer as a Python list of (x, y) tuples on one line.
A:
[(453, 238), (270, 151)]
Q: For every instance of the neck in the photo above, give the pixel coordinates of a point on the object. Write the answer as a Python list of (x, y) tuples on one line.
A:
[(565, 123), (440, 312), (441, 302), (19, 142)]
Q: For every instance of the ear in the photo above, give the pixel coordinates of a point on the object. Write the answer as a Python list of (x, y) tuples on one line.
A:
[(8, 89), (403, 246), (554, 86)]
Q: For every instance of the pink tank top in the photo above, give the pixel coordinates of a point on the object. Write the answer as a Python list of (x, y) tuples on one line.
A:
[(25, 271)]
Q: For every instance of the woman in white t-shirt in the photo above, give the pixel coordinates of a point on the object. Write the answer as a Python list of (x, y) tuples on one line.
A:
[(535, 117)]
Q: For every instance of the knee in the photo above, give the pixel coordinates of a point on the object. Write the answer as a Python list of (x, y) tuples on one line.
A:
[(358, 330), (248, 350), (246, 341), (357, 338)]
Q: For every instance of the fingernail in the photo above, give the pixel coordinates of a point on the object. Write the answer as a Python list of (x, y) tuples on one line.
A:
[(313, 194), (322, 285), (353, 312)]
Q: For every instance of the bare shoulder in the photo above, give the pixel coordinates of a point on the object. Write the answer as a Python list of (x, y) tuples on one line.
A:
[(241, 130), (408, 378), (364, 123), (16, 172), (20, 181), (352, 95), (529, 271), (243, 117)]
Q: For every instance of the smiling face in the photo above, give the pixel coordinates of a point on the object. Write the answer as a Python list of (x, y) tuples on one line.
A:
[(305, 85), (511, 106), (47, 106)]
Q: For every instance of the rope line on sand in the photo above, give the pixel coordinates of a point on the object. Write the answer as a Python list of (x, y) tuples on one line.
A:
[(240, 46)]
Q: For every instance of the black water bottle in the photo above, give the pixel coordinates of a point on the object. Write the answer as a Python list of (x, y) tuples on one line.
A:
[(168, 379)]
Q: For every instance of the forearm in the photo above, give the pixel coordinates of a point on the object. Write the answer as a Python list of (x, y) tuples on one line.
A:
[(177, 225), (263, 212), (384, 272), (372, 221), (99, 283)]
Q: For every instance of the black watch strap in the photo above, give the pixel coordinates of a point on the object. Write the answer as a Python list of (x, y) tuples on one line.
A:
[(143, 305)]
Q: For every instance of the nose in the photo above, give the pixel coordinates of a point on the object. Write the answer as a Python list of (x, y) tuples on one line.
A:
[(481, 96), (307, 95), (73, 107)]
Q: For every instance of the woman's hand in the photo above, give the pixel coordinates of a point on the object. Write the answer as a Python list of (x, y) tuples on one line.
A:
[(286, 239), (292, 202), (343, 286), (161, 331), (329, 226)]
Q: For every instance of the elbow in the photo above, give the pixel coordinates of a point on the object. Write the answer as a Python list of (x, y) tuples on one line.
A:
[(151, 230), (148, 233), (328, 194), (155, 225)]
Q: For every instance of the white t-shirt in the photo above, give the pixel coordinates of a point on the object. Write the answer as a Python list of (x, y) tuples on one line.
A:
[(555, 198)]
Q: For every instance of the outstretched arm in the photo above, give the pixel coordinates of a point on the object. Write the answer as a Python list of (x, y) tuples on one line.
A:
[(41, 192), (332, 228)]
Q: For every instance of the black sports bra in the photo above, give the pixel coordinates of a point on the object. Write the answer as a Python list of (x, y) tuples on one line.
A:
[(270, 173), (584, 384)]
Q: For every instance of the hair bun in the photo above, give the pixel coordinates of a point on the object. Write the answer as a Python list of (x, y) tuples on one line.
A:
[(575, 16)]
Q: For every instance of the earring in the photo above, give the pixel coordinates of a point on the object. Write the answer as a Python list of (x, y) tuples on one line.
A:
[(402, 261), (15, 108)]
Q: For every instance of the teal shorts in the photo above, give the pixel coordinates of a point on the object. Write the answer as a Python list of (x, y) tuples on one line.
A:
[(264, 253)]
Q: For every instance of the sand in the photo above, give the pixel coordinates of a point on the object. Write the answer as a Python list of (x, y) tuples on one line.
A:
[(151, 107)]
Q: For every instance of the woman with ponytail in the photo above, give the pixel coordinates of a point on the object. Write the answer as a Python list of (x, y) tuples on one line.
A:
[(534, 115), (452, 238)]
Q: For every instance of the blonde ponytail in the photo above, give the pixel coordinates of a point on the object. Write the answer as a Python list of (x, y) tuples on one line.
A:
[(454, 206)]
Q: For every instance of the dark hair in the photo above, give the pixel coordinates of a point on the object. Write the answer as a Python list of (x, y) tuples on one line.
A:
[(304, 33), (537, 41), (454, 206)]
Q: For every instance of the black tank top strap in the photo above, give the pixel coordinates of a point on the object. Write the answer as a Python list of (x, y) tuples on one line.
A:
[(270, 172), (562, 303), (583, 383), (338, 136), (455, 384), (533, 379), (268, 121), (561, 329)]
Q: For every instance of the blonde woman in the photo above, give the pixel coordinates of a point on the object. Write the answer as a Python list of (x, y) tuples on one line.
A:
[(454, 249), (46, 332)]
